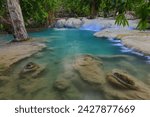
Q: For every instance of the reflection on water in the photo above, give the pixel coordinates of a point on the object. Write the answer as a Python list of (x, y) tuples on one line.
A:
[(63, 46)]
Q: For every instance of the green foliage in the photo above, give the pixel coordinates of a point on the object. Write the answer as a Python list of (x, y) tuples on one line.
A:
[(140, 7), (1, 27), (93, 6), (121, 20), (33, 10), (39, 12), (75, 7), (2, 7), (143, 11)]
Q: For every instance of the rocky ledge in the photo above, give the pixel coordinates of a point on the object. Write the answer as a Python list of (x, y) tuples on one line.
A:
[(135, 39), (91, 24), (16, 51)]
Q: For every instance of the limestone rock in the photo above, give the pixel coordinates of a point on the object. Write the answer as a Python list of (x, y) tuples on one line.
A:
[(61, 84), (121, 85), (30, 87), (31, 70), (60, 23), (115, 85), (69, 23), (14, 52), (73, 23), (90, 70), (121, 80), (135, 39)]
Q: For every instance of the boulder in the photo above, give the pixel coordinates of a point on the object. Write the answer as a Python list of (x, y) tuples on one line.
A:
[(73, 23), (60, 23)]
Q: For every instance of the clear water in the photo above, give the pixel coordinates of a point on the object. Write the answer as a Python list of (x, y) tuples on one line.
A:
[(63, 46)]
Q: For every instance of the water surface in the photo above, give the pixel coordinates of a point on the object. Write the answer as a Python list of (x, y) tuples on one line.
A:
[(63, 46)]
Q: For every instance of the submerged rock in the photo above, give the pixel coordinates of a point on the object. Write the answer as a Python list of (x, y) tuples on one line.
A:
[(30, 87), (31, 70), (115, 85), (121, 80), (3, 80), (121, 85), (61, 84), (90, 70)]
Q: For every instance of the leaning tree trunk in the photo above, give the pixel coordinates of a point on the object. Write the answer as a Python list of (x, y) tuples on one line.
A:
[(15, 12)]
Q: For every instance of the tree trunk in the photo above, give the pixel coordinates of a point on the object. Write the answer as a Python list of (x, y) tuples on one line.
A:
[(16, 17), (93, 9)]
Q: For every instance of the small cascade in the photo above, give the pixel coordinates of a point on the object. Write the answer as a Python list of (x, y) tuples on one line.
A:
[(92, 26)]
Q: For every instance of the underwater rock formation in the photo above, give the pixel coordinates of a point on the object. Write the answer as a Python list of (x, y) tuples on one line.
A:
[(121, 85), (61, 84), (89, 70), (30, 87), (31, 70), (115, 85), (3, 80), (122, 80)]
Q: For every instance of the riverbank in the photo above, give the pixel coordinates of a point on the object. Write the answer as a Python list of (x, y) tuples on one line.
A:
[(12, 53), (134, 39)]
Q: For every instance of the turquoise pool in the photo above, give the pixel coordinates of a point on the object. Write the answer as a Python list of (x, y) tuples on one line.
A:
[(63, 46)]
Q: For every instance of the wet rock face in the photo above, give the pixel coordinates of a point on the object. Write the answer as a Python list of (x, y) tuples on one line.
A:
[(89, 70), (61, 84), (31, 70)]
